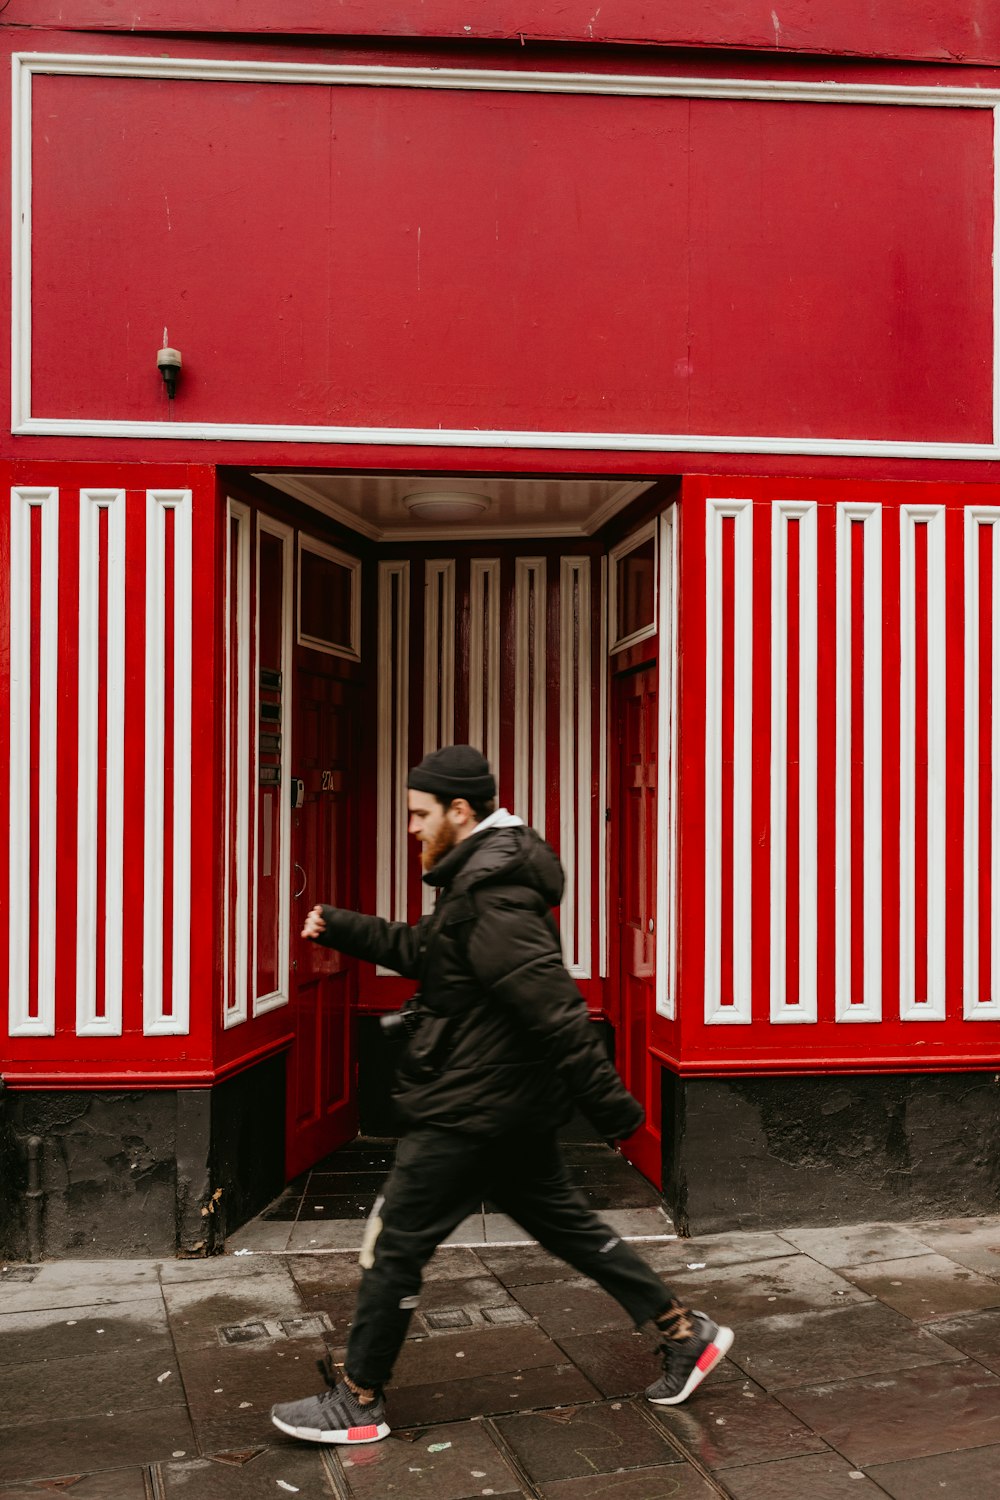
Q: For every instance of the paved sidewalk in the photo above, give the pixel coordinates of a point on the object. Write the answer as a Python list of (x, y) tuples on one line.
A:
[(866, 1363)]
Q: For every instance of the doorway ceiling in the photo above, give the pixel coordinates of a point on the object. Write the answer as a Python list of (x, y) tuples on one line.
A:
[(374, 504)]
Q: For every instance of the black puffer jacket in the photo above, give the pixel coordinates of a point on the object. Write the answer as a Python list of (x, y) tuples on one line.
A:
[(506, 1041)]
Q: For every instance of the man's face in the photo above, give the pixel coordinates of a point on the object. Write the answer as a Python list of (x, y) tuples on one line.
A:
[(431, 826)]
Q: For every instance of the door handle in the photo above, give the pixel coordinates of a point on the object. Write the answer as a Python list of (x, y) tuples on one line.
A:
[(298, 893)]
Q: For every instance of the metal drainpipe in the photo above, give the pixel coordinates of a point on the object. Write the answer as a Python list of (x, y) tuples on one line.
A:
[(34, 1198)]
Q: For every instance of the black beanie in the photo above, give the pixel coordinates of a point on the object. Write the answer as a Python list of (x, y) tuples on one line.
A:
[(455, 771)]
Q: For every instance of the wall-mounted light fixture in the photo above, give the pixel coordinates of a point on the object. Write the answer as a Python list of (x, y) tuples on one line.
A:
[(168, 362)]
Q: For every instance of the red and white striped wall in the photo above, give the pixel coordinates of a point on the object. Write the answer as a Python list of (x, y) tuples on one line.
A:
[(840, 775), (497, 650), (107, 781)]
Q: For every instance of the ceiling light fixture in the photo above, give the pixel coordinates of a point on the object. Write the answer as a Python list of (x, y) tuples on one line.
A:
[(446, 505)]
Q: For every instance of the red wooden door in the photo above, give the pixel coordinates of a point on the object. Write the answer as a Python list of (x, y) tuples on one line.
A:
[(322, 1108), (636, 720)]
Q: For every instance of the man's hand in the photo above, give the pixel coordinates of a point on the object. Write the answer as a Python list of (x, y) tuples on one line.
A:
[(314, 923)]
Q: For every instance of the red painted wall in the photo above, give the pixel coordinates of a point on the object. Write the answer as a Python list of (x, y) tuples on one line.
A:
[(356, 256), (933, 29)]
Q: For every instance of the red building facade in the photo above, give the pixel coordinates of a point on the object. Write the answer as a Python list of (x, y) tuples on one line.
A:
[(625, 403)]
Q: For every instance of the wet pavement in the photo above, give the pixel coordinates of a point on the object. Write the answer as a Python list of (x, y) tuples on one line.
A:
[(866, 1362)]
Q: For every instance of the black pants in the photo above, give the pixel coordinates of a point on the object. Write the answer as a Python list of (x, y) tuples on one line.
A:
[(441, 1176)]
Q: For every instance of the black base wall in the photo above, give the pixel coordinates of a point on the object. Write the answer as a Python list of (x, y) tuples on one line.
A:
[(139, 1173), (759, 1153)]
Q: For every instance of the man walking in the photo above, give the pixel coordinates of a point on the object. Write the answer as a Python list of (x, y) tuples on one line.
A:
[(500, 1051)]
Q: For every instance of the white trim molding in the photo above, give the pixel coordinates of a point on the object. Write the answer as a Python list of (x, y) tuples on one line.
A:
[(237, 696), (646, 533), (32, 911), (717, 512), (104, 1018), (603, 787), (530, 593), (932, 519), (869, 1006), (352, 650), (575, 762), (439, 666), (275, 998), (157, 1019), (484, 659), (803, 516), (26, 64), (975, 1009), (391, 882), (666, 770)]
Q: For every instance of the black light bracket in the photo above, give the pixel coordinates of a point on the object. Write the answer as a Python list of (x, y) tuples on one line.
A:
[(168, 362)]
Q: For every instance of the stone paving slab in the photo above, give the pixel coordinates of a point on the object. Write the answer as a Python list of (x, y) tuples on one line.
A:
[(820, 1476), (676, 1483), (583, 1441), (956, 1476), (563, 1308), (737, 1423), (923, 1287), (66, 1332), (909, 1414), (457, 1461), (794, 1349), (57, 1446), (735, 1294), (113, 1484), (261, 1478), (674, 1256), (974, 1243), (975, 1334), (490, 1395), (840, 1383), (107, 1383), (855, 1245), (198, 1311)]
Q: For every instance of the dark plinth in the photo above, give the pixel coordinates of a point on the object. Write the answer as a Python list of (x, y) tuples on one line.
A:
[(759, 1153), (138, 1172)]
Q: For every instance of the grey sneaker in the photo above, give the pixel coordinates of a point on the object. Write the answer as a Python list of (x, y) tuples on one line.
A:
[(336, 1416), (686, 1362)]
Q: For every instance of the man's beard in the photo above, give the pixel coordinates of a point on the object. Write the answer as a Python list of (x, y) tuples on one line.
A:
[(434, 850)]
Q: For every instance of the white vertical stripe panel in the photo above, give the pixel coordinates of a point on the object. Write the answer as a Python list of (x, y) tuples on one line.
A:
[(393, 704), (783, 517), (974, 1008), (32, 911), (106, 1019), (157, 1021), (575, 761), (932, 518), (869, 1007), (666, 761), (484, 650), (273, 999), (604, 873), (235, 1007), (439, 666), (741, 513), (439, 655), (529, 691)]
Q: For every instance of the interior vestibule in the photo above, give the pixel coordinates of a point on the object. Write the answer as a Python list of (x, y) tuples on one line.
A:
[(406, 629)]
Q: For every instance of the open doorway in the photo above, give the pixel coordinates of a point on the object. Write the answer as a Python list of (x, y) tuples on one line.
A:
[(412, 622)]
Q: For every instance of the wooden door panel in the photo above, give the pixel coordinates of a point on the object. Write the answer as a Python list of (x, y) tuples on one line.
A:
[(322, 1109), (635, 705)]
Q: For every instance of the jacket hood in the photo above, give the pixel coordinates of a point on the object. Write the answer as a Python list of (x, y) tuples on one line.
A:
[(511, 854)]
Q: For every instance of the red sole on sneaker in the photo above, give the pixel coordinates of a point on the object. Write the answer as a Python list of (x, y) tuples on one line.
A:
[(371, 1434), (707, 1361)]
